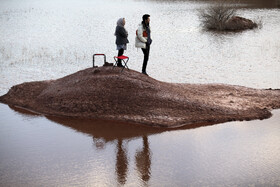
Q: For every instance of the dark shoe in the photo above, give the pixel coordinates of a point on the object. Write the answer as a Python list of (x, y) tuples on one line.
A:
[(144, 72), (120, 65)]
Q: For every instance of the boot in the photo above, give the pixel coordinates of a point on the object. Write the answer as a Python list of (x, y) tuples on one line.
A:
[(145, 73)]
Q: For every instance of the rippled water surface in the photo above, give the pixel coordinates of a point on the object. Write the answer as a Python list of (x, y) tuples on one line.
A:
[(42, 40), (40, 151), (50, 39)]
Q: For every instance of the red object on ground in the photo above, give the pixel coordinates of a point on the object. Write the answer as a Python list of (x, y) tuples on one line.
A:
[(124, 59)]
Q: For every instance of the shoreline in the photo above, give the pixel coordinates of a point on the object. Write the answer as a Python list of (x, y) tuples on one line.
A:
[(108, 94), (83, 124)]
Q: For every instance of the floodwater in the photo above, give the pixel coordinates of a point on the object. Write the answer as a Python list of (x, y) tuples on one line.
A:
[(42, 40), (50, 39), (49, 151)]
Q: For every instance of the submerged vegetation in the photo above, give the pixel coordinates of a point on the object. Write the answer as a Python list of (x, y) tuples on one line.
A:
[(222, 16)]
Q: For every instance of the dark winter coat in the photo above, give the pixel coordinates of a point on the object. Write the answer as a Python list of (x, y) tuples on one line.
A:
[(121, 35)]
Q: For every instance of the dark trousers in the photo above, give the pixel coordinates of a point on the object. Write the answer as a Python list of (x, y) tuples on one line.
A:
[(146, 57), (120, 53)]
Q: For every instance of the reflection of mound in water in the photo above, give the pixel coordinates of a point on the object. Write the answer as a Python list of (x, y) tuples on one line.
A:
[(104, 132), (108, 131), (106, 93), (141, 162)]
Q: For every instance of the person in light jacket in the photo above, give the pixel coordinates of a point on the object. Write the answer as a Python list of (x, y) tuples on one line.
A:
[(143, 40), (121, 38)]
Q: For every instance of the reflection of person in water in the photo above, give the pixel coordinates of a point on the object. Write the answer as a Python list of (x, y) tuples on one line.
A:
[(99, 143), (121, 163), (143, 160)]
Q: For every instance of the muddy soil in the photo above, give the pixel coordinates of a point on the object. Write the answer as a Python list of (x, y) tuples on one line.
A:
[(106, 93)]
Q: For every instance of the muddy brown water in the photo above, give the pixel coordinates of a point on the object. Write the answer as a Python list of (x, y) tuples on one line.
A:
[(48, 151), (51, 151)]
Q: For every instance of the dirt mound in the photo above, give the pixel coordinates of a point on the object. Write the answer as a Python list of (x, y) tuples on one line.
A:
[(237, 23), (107, 93)]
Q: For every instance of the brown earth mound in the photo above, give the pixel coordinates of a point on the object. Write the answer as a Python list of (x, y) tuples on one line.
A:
[(237, 23), (107, 93)]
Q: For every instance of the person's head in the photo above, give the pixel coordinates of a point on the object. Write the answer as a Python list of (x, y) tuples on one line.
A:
[(146, 19), (121, 22)]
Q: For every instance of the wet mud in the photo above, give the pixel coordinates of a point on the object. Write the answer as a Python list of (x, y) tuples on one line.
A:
[(106, 93)]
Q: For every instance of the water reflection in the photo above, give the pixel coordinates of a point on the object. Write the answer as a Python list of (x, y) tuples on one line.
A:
[(118, 134), (143, 161), (104, 132), (121, 162), (119, 154)]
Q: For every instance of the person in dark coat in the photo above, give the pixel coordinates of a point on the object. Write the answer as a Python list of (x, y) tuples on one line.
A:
[(121, 38)]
